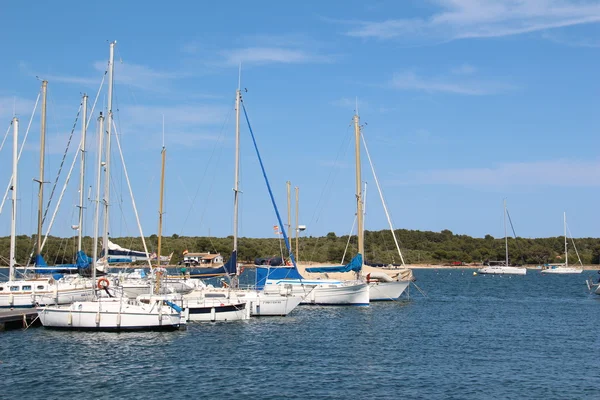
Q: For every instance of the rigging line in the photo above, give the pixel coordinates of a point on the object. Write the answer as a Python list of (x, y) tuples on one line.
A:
[(131, 193), (20, 150), (62, 162), (515, 236), (348, 242), (209, 163), (387, 214), (328, 187), (334, 169), (575, 247), (262, 167), (6, 135), (76, 155)]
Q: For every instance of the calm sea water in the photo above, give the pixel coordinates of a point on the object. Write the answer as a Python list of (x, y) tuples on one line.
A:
[(473, 337)]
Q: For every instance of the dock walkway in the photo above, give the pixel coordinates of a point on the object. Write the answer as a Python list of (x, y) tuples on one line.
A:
[(18, 318)]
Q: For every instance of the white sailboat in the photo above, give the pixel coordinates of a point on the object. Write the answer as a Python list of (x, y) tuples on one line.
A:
[(257, 302), (563, 268), (505, 268), (289, 280), (384, 284), (37, 291), (113, 313)]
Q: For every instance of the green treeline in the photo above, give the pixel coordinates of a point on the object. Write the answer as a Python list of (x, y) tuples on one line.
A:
[(417, 248)]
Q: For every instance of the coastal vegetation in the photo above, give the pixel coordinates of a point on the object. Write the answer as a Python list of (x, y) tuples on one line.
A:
[(418, 247)]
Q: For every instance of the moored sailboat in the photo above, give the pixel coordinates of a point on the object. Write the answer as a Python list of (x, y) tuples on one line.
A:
[(505, 268), (112, 313), (562, 268)]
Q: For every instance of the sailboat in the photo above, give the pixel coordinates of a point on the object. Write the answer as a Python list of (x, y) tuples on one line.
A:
[(36, 291), (503, 268), (562, 268), (287, 279), (109, 312), (258, 302), (384, 284)]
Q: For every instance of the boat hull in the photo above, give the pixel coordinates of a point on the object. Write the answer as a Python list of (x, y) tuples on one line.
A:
[(324, 292), (502, 271), (109, 316), (387, 291), (41, 293), (562, 270), (208, 310)]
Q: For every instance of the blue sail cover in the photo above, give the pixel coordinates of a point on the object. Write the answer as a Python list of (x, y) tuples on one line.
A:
[(231, 264), (354, 265), (262, 274), (82, 262)]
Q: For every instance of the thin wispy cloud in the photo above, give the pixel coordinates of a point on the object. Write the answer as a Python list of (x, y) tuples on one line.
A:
[(409, 80), (465, 69), (462, 19), (540, 173), (15, 106), (271, 55), (350, 104), (135, 75), (263, 49), (572, 41), (334, 164)]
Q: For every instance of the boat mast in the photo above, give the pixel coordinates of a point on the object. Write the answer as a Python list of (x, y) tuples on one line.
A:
[(236, 179), (566, 251), (111, 68), (297, 226), (288, 185), (162, 193), (505, 236), (82, 171), (41, 180), (13, 220), (359, 204), (97, 205)]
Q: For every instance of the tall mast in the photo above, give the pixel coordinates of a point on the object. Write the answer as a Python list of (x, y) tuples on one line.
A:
[(297, 226), (359, 204), (289, 206), (565, 227), (236, 181), (111, 68), (160, 204), (41, 180), (82, 171), (505, 236), (13, 220), (97, 205)]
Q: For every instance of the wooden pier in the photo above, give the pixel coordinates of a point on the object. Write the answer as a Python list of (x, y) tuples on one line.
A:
[(19, 318)]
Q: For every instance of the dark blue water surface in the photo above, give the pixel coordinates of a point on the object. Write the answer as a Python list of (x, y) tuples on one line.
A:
[(473, 337)]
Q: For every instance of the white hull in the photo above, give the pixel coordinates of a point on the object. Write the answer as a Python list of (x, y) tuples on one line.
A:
[(214, 310), (261, 304), (324, 292), (561, 270), (31, 293), (110, 315), (387, 291), (495, 270)]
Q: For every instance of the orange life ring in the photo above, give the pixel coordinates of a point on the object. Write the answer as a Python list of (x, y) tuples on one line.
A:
[(103, 283)]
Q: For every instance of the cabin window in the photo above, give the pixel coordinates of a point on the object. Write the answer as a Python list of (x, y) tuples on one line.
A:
[(1, 288), (40, 287), (14, 288), (28, 287), (214, 295)]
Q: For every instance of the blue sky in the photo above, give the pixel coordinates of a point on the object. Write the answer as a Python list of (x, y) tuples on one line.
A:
[(465, 103)]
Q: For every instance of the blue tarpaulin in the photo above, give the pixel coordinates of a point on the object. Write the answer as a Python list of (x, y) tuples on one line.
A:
[(354, 265)]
